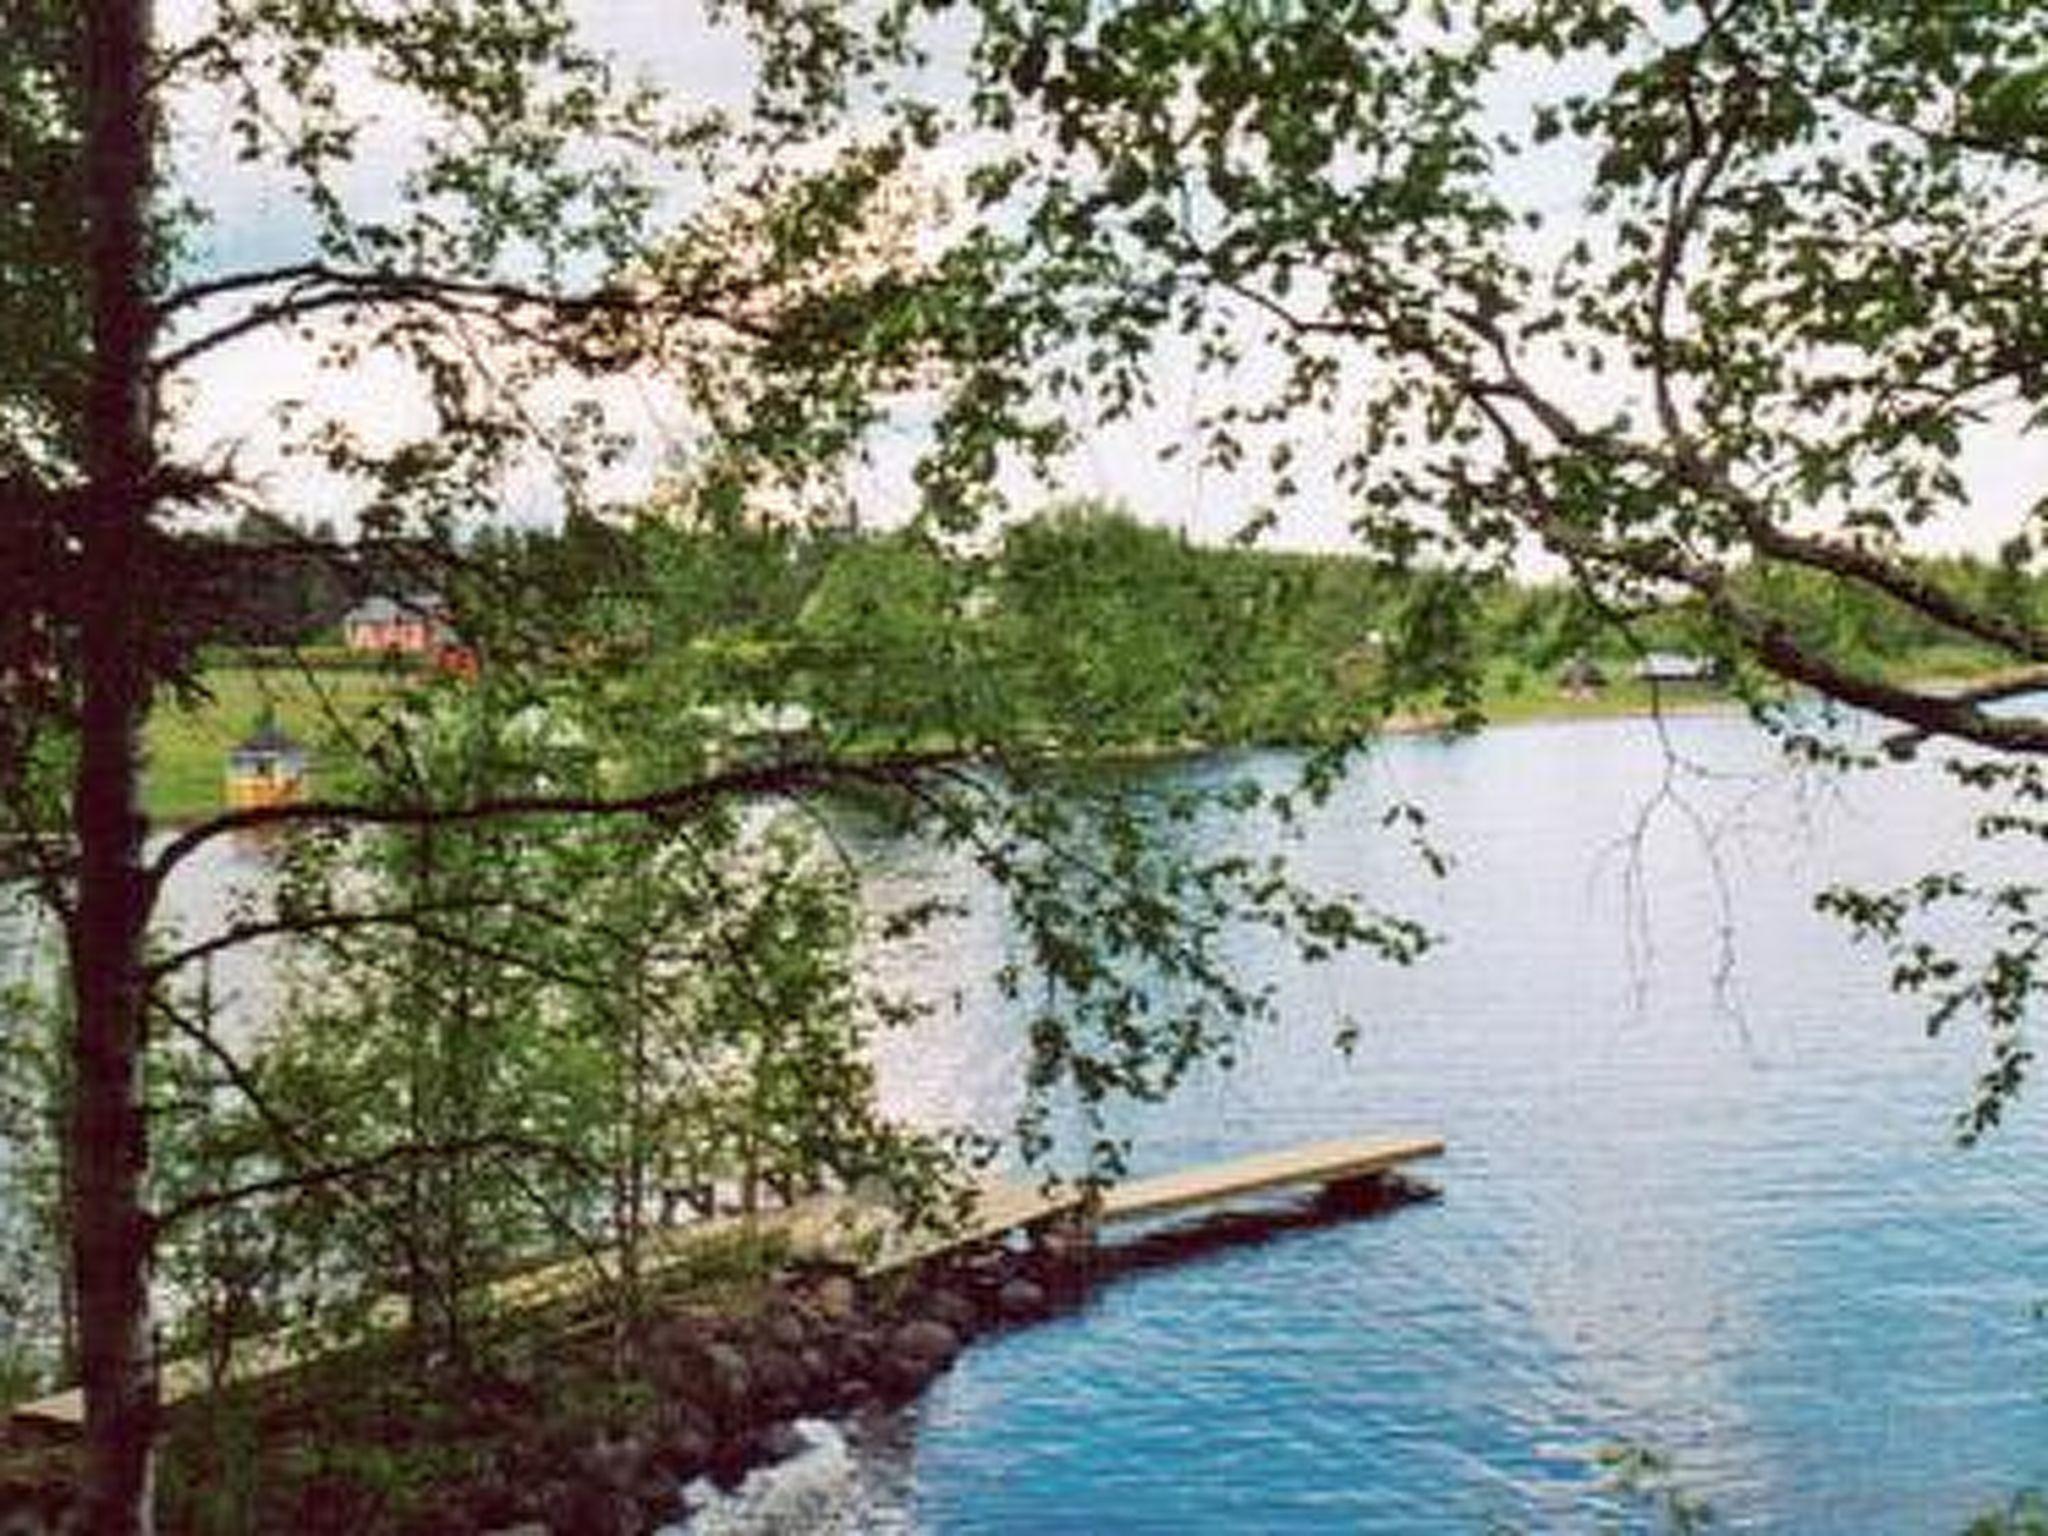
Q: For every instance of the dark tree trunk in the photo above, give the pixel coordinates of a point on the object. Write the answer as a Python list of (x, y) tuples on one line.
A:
[(110, 1230)]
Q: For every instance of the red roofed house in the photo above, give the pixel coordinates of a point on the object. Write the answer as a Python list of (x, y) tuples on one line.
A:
[(414, 625)]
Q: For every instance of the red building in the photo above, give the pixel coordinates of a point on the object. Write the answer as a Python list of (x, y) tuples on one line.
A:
[(414, 625)]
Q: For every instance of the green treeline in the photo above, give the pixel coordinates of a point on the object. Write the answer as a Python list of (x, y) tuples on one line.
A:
[(1085, 629), (1081, 630)]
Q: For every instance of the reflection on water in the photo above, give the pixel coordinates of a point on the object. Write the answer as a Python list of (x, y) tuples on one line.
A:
[(1701, 1194), (942, 1069), (225, 882)]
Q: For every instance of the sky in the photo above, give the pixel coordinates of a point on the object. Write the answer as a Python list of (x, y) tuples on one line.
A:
[(227, 406)]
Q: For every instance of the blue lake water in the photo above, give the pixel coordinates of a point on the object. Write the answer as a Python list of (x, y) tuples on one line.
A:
[(1702, 1196)]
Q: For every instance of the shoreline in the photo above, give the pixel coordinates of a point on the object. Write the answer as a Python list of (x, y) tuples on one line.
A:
[(565, 1425), (1537, 704), (180, 815), (573, 1427)]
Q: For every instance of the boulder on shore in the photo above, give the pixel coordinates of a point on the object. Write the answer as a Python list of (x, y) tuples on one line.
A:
[(927, 1339), (1021, 1299)]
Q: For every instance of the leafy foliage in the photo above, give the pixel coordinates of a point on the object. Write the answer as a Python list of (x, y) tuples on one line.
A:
[(1801, 283), (1724, 308), (511, 1040)]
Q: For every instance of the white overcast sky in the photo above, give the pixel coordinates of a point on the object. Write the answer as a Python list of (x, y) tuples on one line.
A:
[(227, 405)]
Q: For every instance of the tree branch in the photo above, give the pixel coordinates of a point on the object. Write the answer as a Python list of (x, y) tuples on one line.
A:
[(376, 1162), (318, 922), (1766, 635), (783, 778), (311, 287), (236, 282)]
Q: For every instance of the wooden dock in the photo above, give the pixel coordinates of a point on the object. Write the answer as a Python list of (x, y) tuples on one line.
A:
[(839, 1226), (1006, 1206), (1325, 1162)]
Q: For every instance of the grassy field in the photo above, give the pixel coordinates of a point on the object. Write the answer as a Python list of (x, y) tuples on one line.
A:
[(187, 745)]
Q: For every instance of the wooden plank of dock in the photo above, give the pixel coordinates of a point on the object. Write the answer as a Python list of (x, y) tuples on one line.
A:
[(1326, 1162), (1001, 1206), (1004, 1206), (830, 1225)]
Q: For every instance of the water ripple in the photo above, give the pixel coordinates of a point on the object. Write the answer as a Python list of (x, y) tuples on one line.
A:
[(1741, 1238)]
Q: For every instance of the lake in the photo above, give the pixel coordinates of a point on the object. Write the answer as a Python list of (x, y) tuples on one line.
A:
[(1702, 1196), (1701, 1199)]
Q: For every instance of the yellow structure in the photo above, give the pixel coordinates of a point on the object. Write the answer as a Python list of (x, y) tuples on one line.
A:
[(266, 768)]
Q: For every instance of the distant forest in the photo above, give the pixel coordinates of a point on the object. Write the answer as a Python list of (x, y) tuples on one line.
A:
[(1081, 625)]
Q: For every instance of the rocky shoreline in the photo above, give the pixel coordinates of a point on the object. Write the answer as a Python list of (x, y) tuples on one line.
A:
[(593, 1432), (821, 1344), (824, 1345)]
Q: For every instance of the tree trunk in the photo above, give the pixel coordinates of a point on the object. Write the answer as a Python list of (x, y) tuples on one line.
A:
[(108, 1144)]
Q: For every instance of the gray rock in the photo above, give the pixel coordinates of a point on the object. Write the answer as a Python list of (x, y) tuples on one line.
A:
[(659, 1496), (685, 1450), (951, 1308), (859, 1351), (925, 1339), (726, 1375), (617, 1463), (786, 1330), (900, 1377), (986, 1266), (836, 1298), (676, 1333), (592, 1511), (853, 1391), (779, 1380), (779, 1442), (1021, 1298)]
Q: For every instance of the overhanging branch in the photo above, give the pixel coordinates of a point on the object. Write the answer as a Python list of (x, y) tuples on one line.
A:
[(301, 1180), (782, 778), (303, 289)]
